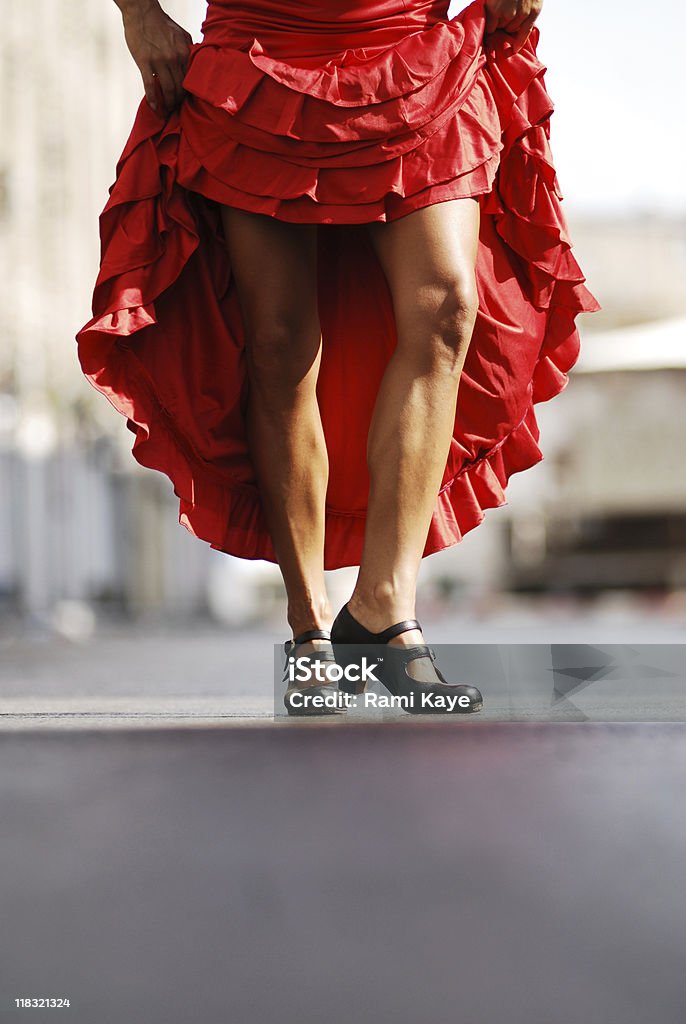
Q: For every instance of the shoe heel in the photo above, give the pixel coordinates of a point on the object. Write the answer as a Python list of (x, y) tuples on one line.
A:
[(346, 655), (316, 698)]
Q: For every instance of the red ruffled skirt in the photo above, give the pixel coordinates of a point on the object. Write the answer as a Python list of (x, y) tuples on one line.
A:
[(312, 116)]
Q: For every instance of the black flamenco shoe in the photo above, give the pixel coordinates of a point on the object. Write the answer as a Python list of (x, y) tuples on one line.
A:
[(319, 698), (440, 697)]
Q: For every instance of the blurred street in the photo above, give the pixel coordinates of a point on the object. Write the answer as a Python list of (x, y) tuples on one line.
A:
[(171, 852), (546, 660)]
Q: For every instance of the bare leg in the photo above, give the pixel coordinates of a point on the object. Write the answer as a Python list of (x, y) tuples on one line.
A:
[(428, 258), (274, 265)]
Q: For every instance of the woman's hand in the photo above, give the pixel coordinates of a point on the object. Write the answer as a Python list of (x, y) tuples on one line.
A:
[(160, 49), (515, 17)]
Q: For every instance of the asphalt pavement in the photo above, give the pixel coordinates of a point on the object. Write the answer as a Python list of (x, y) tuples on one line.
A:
[(171, 852)]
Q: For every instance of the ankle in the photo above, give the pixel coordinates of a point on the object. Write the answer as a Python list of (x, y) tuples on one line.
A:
[(316, 615), (382, 605)]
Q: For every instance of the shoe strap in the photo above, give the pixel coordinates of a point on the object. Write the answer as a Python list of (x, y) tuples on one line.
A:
[(312, 634), (400, 627)]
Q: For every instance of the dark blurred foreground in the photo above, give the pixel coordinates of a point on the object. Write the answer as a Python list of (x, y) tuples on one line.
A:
[(170, 853), (408, 872)]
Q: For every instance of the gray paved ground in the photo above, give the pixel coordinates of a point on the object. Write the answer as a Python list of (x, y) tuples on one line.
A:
[(528, 873), (570, 666), (170, 853), (146, 675)]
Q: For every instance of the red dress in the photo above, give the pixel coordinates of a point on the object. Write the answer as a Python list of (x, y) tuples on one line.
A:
[(335, 114)]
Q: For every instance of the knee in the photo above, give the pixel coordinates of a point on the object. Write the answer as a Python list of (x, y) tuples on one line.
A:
[(442, 321), (449, 309), (280, 351)]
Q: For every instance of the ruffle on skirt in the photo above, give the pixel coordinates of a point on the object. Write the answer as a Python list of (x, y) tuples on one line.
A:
[(366, 136)]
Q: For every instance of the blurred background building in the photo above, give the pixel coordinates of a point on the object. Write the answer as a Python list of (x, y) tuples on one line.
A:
[(85, 533)]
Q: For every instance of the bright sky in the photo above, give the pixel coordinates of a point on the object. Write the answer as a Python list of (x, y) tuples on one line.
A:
[(615, 74)]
